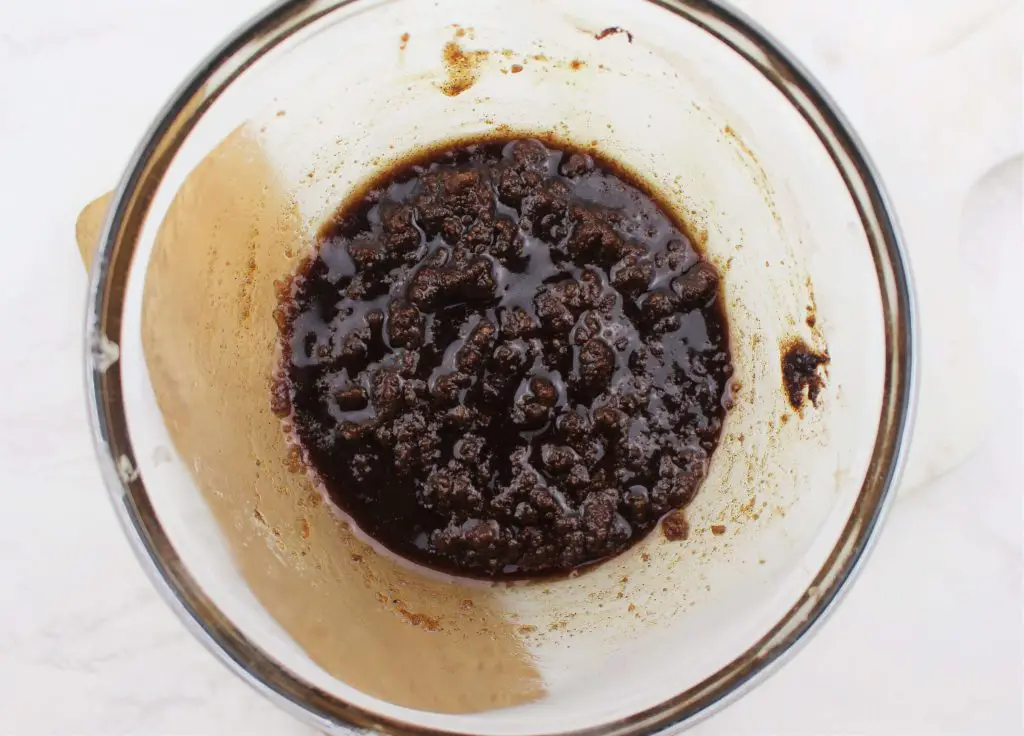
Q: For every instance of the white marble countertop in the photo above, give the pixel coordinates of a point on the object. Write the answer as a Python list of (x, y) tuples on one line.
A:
[(929, 640)]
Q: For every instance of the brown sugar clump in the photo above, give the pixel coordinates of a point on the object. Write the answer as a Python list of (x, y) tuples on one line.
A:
[(674, 526)]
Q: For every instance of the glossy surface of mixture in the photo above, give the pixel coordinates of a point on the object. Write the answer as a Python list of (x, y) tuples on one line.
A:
[(505, 361)]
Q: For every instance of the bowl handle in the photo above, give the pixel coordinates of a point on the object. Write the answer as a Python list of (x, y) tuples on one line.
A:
[(88, 226)]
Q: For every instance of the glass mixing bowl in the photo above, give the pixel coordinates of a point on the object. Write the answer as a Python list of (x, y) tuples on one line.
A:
[(263, 142)]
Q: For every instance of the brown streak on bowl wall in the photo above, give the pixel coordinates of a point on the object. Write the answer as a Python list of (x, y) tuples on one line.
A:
[(231, 225), (462, 68), (88, 227), (611, 31)]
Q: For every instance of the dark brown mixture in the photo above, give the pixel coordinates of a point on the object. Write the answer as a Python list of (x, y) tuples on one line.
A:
[(800, 375), (505, 361)]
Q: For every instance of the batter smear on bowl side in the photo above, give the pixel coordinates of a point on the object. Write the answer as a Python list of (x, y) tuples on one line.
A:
[(504, 361)]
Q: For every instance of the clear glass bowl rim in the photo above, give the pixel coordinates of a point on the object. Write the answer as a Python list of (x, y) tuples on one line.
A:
[(322, 710)]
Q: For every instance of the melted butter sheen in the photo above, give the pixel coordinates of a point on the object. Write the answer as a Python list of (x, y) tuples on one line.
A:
[(505, 362)]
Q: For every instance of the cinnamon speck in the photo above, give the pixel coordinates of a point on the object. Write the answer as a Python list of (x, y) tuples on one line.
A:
[(420, 619), (516, 68), (404, 41), (718, 529), (576, 65), (304, 528), (294, 459), (280, 113)]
